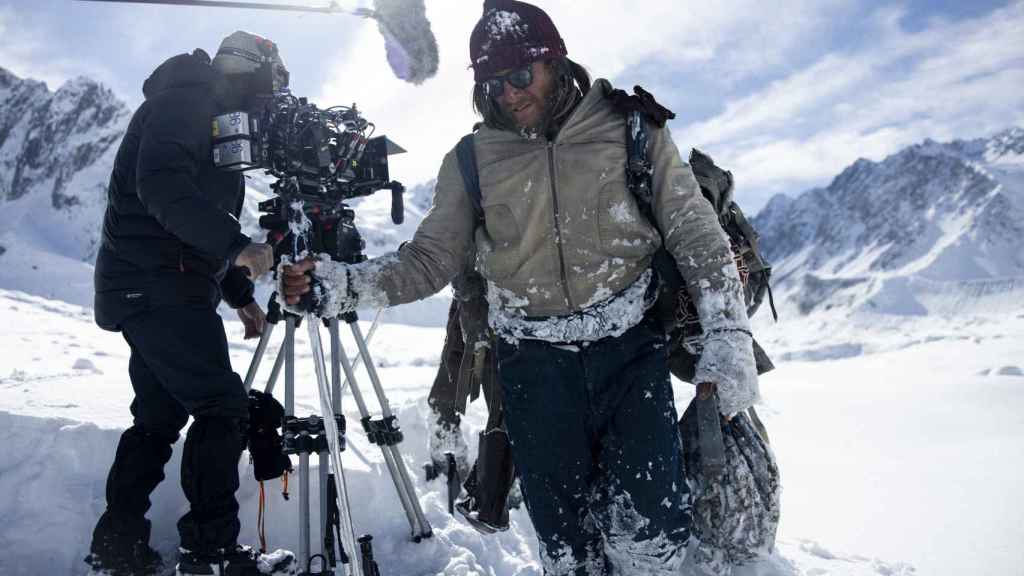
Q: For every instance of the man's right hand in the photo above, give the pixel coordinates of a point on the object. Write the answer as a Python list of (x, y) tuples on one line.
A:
[(257, 258)]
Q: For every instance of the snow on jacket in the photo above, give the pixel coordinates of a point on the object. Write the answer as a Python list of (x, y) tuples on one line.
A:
[(563, 234)]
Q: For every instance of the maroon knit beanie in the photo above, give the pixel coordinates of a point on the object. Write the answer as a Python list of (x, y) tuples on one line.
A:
[(512, 34)]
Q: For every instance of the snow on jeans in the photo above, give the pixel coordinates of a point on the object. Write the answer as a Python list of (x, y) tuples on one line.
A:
[(595, 442)]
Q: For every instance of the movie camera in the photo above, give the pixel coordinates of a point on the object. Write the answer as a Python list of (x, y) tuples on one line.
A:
[(320, 159)]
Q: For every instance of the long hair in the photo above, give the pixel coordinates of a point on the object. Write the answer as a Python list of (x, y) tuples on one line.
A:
[(572, 82)]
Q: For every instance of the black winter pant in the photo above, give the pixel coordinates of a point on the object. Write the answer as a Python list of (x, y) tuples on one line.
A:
[(595, 441), (179, 366)]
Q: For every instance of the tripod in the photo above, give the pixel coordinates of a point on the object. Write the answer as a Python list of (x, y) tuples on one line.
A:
[(325, 437)]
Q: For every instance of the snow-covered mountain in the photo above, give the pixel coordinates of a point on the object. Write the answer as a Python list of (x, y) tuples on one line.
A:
[(56, 149), (935, 227)]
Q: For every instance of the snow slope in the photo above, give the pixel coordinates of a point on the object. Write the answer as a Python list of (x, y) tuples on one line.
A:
[(917, 467)]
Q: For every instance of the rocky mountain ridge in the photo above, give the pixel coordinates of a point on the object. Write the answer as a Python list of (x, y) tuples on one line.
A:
[(932, 218)]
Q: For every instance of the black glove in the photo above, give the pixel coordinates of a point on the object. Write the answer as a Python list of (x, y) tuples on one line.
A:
[(265, 416), (643, 102)]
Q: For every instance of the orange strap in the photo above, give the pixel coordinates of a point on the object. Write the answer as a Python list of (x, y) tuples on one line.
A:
[(261, 517), (260, 521)]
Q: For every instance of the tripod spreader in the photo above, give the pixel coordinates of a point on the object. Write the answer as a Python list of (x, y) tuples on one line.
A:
[(307, 435), (383, 431)]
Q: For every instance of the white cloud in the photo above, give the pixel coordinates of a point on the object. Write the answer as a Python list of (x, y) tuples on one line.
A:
[(24, 51), (426, 120), (607, 36), (949, 80), (805, 118)]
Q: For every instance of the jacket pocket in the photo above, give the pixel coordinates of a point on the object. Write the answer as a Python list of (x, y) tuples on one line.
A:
[(498, 255), (623, 230)]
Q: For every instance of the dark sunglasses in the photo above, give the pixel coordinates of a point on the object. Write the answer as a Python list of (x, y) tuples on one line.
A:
[(519, 78)]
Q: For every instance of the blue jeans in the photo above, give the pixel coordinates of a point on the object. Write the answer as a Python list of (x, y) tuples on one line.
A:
[(596, 445)]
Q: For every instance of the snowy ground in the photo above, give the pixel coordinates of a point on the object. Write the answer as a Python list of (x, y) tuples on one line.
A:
[(899, 441)]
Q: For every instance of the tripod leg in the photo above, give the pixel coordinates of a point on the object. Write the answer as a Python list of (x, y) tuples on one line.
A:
[(331, 429), (257, 357), (421, 527), (289, 366), (323, 463), (369, 338), (336, 384), (304, 515), (275, 372), (406, 496)]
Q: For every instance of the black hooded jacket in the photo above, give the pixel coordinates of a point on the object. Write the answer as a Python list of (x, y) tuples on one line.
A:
[(170, 230)]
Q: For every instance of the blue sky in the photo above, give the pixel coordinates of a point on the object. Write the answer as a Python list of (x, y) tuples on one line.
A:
[(785, 93)]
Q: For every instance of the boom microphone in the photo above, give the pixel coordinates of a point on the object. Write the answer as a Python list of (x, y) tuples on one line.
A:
[(410, 43)]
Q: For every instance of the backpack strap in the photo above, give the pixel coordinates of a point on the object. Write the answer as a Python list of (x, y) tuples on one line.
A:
[(639, 178), (639, 170), (640, 108), (465, 151)]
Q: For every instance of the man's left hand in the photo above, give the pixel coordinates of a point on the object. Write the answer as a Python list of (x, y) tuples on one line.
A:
[(253, 318)]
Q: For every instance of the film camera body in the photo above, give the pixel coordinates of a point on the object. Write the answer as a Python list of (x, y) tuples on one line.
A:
[(319, 159)]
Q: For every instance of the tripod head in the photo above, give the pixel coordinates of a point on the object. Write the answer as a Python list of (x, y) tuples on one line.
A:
[(320, 160)]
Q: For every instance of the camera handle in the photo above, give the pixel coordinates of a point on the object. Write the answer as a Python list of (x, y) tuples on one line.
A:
[(397, 201)]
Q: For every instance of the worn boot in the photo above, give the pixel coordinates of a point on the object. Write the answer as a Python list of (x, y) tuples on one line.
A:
[(115, 553), (237, 561)]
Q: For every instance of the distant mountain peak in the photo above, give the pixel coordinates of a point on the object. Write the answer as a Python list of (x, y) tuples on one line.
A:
[(1005, 143), (7, 77), (56, 150), (933, 212)]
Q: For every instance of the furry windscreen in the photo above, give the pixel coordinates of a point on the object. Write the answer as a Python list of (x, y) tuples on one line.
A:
[(411, 46)]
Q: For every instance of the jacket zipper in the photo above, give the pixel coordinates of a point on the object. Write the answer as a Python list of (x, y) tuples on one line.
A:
[(558, 227)]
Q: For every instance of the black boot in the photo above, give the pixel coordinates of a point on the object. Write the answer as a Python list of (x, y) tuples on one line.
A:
[(237, 561), (120, 541), (115, 553)]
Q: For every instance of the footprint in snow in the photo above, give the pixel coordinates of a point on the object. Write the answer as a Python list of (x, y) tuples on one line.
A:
[(1010, 371), (86, 364)]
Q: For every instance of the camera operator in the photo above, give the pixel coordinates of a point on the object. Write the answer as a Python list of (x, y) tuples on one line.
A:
[(566, 252), (172, 249)]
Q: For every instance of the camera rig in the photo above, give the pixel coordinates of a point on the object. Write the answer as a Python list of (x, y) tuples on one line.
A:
[(320, 159)]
